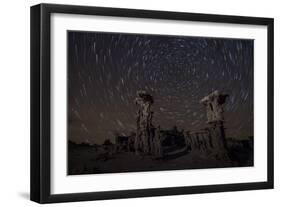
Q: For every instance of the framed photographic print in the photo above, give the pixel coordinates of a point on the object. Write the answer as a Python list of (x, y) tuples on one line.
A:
[(132, 103)]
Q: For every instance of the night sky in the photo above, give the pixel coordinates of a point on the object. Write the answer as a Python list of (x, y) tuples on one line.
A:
[(105, 70)]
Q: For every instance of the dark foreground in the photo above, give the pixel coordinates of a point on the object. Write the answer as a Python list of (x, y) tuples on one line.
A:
[(86, 159)]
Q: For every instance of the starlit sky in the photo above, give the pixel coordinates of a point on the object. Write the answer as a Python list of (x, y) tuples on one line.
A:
[(105, 70)]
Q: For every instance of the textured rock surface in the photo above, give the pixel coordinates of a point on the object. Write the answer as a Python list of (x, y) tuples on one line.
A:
[(214, 106), (145, 129), (215, 118)]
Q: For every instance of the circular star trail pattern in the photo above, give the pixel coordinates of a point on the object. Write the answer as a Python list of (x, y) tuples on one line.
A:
[(105, 70)]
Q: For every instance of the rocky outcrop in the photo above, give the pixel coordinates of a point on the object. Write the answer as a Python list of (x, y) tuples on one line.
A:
[(211, 141), (145, 129), (214, 106)]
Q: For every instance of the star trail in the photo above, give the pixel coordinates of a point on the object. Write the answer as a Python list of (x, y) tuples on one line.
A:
[(105, 70)]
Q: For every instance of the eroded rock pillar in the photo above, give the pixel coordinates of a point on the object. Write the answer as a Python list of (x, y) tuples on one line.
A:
[(214, 103), (144, 135)]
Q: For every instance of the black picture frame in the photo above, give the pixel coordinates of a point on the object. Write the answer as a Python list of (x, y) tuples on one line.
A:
[(40, 102)]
